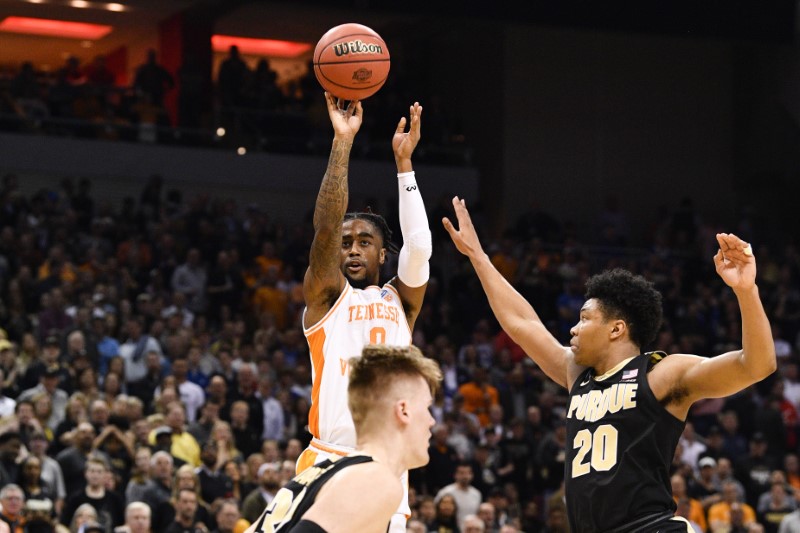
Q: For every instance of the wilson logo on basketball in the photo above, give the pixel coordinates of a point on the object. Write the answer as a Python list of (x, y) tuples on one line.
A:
[(362, 75), (357, 47)]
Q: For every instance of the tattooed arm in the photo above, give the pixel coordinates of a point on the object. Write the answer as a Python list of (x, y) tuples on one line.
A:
[(324, 279)]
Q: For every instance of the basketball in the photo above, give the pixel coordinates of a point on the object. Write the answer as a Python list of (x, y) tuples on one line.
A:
[(351, 61)]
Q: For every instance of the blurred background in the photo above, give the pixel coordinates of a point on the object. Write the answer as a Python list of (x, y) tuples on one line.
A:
[(154, 178), (637, 101)]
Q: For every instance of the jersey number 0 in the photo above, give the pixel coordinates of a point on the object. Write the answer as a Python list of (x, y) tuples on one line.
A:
[(377, 335)]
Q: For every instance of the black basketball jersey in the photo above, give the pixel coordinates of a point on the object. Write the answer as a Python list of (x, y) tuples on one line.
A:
[(620, 444), (298, 495)]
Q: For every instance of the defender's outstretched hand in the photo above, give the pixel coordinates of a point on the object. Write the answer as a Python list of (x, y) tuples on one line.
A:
[(735, 262), (465, 237), (346, 122), (404, 143)]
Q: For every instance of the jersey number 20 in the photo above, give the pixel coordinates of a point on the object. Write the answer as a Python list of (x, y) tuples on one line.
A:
[(278, 512), (603, 447)]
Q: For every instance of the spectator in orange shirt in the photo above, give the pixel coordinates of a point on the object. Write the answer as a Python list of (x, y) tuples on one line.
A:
[(504, 259), (267, 297), (684, 510), (135, 252), (696, 513), (57, 266), (723, 515), (479, 395), (269, 260), (791, 465)]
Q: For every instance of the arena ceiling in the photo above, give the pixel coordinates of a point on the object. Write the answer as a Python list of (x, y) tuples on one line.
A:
[(137, 21)]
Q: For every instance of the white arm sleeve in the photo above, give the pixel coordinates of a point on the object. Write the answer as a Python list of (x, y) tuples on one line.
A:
[(412, 265)]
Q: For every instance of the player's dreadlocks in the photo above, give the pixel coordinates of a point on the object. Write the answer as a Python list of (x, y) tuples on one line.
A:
[(380, 223)]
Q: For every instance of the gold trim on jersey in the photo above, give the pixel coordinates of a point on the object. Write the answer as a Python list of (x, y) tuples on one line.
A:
[(614, 370), (689, 527), (656, 357)]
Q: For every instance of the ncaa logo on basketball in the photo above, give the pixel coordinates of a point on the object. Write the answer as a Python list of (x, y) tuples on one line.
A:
[(362, 75)]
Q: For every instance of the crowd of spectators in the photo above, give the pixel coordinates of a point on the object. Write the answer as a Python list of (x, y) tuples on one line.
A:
[(155, 374), (251, 105)]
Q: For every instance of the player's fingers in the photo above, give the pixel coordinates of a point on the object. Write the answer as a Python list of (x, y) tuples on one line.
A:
[(462, 214), (737, 243), (401, 125), (451, 229), (358, 110), (737, 246), (413, 131), (723, 242), (458, 206), (719, 260)]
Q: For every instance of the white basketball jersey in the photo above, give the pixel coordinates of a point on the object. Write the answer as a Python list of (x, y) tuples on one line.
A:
[(359, 317)]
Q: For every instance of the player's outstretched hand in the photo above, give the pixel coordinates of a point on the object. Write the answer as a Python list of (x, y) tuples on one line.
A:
[(346, 122), (465, 237), (404, 143), (735, 262)]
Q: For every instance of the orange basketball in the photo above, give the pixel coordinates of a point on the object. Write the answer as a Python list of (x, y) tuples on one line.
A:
[(351, 61)]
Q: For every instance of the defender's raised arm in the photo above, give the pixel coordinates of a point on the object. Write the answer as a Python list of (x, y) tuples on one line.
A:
[(514, 313), (727, 374)]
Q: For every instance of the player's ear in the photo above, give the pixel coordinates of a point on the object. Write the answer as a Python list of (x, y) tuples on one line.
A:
[(382, 256), (618, 329), (401, 410)]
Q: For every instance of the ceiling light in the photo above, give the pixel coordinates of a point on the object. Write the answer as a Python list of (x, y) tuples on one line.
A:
[(261, 47), (79, 3), (116, 7), (55, 28), (35, 1)]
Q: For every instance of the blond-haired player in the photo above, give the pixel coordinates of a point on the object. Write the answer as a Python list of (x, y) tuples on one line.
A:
[(345, 307), (391, 390)]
